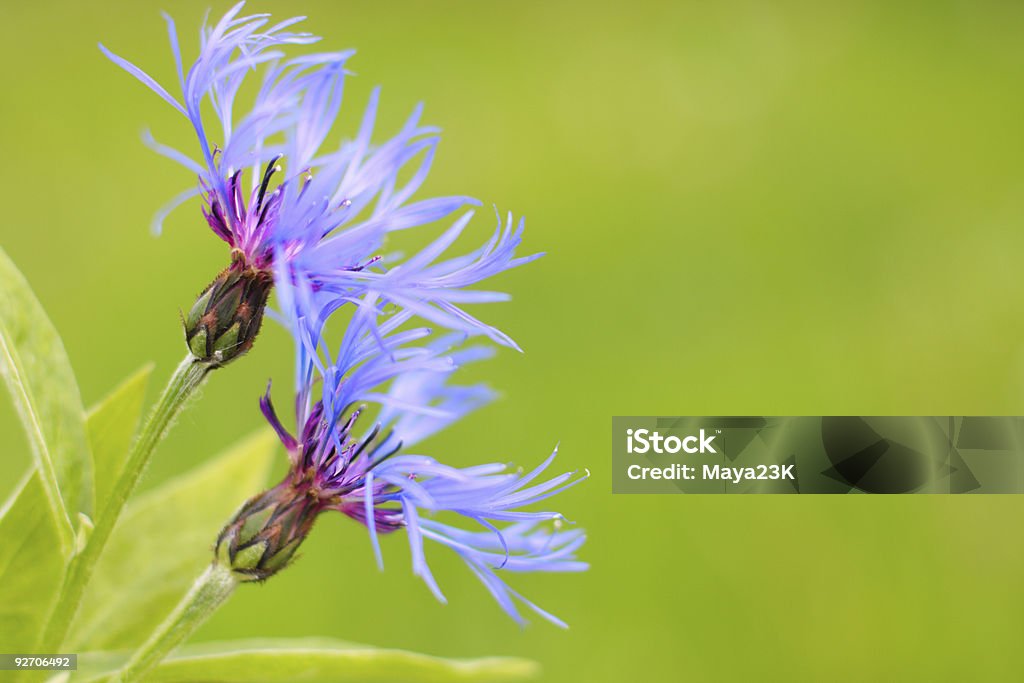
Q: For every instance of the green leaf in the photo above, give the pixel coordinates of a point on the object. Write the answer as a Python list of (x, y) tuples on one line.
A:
[(316, 661), (110, 426), (162, 542), (42, 385), (31, 565)]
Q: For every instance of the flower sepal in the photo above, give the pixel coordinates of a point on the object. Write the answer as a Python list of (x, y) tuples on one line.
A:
[(226, 317), (263, 536)]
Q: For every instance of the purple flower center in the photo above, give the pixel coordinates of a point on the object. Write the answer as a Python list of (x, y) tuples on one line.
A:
[(330, 463), (246, 226)]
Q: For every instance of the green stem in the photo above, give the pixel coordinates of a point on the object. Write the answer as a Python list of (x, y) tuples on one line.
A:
[(209, 592), (182, 385)]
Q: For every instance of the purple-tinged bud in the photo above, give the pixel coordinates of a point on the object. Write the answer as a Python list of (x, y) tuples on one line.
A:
[(263, 536), (226, 317)]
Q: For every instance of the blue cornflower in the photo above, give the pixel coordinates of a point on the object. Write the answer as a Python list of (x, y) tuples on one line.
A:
[(371, 476), (315, 214)]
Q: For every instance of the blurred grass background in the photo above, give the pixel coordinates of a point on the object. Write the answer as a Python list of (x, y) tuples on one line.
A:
[(763, 208)]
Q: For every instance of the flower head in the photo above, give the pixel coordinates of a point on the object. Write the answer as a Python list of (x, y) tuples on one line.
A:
[(368, 472), (289, 204)]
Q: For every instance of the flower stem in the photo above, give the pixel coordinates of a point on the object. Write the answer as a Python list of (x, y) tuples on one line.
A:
[(182, 385), (211, 589)]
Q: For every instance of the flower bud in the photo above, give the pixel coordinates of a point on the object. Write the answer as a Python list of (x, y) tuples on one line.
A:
[(263, 536), (226, 317)]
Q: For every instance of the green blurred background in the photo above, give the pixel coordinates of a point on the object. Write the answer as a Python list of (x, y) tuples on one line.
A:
[(748, 208)]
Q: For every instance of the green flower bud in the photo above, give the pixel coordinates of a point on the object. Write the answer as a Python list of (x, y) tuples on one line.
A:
[(225, 319), (263, 536)]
